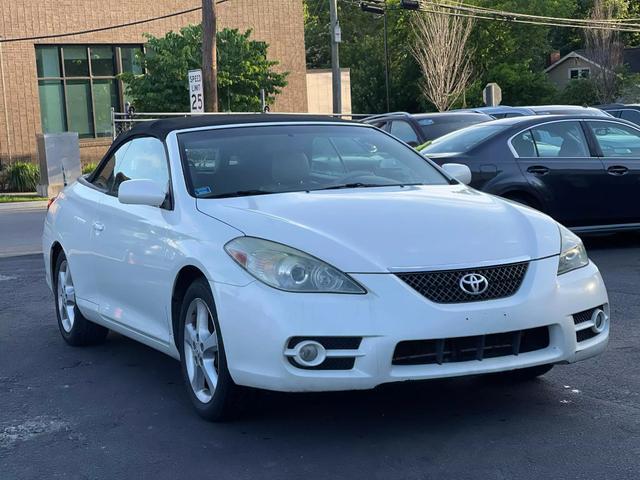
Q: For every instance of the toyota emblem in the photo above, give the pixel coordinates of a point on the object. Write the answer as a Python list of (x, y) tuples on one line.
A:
[(474, 284)]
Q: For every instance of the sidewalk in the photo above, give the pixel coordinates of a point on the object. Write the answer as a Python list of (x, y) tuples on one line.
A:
[(16, 206)]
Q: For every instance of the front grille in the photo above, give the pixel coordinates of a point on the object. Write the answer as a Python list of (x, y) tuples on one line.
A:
[(332, 363), (465, 349), (444, 286), (584, 316)]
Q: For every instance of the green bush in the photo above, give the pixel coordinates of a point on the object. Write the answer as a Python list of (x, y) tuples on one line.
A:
[(22, 177), (89, 167)]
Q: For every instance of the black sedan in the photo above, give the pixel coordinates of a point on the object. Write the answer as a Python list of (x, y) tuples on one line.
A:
[(582, 170), (419, 128)]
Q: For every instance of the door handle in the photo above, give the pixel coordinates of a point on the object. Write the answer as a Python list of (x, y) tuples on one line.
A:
[(617, 170), (98, 227), (538, 170)]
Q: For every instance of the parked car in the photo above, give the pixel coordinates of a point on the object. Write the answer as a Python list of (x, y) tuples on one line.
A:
[(583, 171), (502, 111), (567, 110), (417, 129), (626, 112), (297, 253)]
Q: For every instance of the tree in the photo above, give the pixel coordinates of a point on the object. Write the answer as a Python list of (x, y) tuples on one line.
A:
[(441, 49), (581, 91), (605, 49), (243, 69)]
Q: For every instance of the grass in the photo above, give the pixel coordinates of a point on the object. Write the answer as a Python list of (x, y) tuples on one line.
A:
[(20, 198)]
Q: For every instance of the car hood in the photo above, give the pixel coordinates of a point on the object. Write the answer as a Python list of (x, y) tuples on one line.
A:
[(372, 230)]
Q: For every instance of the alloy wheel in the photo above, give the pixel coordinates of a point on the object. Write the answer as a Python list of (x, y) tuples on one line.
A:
[(66, 297), (201, 352)]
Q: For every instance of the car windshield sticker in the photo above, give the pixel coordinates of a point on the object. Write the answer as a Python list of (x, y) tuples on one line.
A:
[(203, 191)]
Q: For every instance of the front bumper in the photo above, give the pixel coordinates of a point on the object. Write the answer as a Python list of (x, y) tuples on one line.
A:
[(257, 321)]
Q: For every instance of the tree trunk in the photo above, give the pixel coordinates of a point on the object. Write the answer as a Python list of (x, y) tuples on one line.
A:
[(209, 58)]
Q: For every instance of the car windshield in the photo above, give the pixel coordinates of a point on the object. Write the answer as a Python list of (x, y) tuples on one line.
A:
[(266, 159), (461, 141), (433, 128)]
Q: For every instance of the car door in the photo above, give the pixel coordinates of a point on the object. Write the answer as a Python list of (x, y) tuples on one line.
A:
[(556, 160), (404, 131), (134, 270), (619, 146)]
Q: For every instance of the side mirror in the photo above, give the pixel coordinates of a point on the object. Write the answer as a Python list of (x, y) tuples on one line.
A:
[(460, 172), (141, 192)]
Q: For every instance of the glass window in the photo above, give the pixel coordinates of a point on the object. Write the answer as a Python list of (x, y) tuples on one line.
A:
[(102, 61), (79, 98), (144, 159), (76, 63), (275, 159), (560, 139), (461, 141), (575, 73), (616, 140), (130, 59), (105, 97), (404, 131), (325, 158), (631, 115), (433, 128), (79, 107), (52, 106), (524, 145), (140, 158), (48, 62)]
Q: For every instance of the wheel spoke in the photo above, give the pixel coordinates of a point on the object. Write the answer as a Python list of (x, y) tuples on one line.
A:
[(202, 318), (210, 345), (210, 374), (190, 335), (197, 380)]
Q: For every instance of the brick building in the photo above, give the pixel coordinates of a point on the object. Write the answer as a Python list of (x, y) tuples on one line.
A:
[(68, 83)]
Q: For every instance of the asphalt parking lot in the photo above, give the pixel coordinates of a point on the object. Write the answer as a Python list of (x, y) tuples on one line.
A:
[(120, 411)]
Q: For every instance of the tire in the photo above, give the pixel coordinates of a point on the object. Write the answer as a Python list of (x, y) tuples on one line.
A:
[(524, 374), (74, 327), (202, 357)]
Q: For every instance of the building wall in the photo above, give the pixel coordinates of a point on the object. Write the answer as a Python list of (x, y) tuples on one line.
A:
[(277, 22), (320, 91), (560, 74)]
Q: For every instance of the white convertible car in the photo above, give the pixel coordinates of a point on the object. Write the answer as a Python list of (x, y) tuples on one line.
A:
[(299, 253)]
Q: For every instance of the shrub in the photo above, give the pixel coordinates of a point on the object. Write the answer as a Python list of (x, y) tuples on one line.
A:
[(22, 177), (89, 167)]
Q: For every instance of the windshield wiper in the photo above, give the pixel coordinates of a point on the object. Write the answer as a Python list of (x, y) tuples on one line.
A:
[(366, 185), (240, 193)]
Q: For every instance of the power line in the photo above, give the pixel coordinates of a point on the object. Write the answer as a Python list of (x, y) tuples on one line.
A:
[(480, 13), (102, 29)]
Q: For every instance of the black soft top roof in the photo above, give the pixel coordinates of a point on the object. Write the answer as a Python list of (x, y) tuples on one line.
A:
[(161, 128)]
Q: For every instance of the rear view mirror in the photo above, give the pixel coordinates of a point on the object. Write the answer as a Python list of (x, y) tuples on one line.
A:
[(141, 192), (460, 172)]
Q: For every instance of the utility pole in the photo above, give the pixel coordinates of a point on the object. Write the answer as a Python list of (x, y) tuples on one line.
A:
[(209, 56), (336, 38)]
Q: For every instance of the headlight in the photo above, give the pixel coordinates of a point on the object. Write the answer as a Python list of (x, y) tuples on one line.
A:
[(572, 252), (288, 269)]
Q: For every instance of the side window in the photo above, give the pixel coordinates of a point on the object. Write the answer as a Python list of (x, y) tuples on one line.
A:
[(325, 158), (616, 140), (104, 179), (631, 115), (144, 159), (560, 139), (403, 131), (523, 145)]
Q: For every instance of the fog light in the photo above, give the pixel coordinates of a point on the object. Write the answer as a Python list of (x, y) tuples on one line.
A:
[(599, 319), (309, 353)]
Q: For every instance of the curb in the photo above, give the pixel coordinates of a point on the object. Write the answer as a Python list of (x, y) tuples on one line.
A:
[(16, 206)]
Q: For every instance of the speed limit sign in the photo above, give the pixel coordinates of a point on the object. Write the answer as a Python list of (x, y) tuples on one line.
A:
[(196, 94)]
